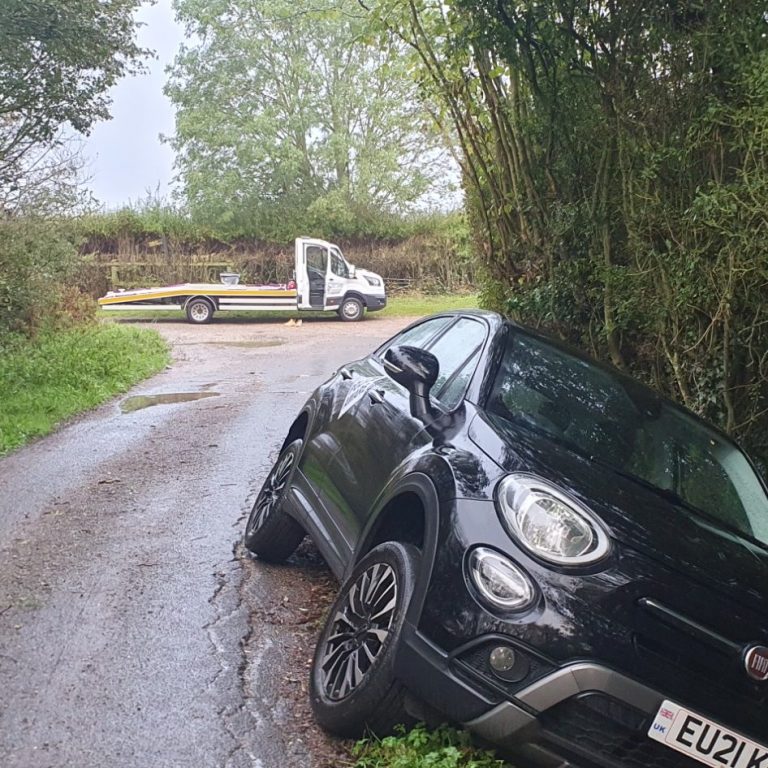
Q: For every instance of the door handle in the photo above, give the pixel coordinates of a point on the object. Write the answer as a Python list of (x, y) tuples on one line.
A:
[(376, 396), (346, 374)]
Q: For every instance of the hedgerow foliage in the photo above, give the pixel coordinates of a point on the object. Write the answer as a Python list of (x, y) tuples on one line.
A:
[(36, 256), (615, 158), (155, 243)]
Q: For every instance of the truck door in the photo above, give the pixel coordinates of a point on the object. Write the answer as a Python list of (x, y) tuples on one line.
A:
[(317, 268), (311, 273), (338, 278)]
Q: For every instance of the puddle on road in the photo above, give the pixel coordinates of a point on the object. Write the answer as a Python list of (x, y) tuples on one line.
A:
[(137, 402)]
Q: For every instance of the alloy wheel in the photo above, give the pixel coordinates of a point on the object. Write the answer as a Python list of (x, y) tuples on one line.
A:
[(272, 492), (351, 310), (360, 629)]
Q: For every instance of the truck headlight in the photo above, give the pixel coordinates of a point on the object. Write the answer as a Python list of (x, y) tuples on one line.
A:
[(372, 280), (550, 524)]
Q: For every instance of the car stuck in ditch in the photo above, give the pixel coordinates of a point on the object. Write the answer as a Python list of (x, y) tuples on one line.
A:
[(530, 544)]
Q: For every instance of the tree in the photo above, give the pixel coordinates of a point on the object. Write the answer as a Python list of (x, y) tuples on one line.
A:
[(284, 109), (615, 161), (57, 63)]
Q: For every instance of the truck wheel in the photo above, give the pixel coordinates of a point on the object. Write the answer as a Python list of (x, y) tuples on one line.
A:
[(199, 311), (271, 533), (352, 682), (351, 309)]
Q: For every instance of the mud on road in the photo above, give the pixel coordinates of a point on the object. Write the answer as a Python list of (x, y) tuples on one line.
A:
[(134, 631)]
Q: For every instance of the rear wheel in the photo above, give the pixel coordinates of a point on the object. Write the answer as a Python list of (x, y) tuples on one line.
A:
[(351, 309), (271, 533), (352, 682), (199, 311)]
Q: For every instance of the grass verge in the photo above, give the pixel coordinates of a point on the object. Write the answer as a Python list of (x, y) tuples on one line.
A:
[(401, 305), (59, 374), (421, 748), (419, 304)]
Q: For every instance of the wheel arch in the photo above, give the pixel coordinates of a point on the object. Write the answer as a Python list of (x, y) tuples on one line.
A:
[(298, 430), (354, 294), (409, 513), (209, 299)]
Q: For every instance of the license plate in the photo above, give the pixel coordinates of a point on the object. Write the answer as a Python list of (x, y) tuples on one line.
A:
[(705, 741)]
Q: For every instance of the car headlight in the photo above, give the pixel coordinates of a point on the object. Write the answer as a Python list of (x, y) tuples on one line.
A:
[(549, 523), (371, 280), (499, 582)]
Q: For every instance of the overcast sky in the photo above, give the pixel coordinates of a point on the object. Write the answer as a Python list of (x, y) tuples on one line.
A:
[(125, 156)]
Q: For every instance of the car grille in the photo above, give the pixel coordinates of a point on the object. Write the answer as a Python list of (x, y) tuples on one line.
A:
[(669, 637), (596, 730)]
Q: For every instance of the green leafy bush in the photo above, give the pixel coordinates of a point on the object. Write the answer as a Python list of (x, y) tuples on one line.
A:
[(36, 256), (422, 748)]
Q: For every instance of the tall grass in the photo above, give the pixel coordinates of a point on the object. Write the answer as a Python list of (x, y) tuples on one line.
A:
[(62, 373)]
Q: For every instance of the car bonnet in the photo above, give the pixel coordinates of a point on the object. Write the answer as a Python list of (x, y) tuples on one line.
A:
[(638, 517)]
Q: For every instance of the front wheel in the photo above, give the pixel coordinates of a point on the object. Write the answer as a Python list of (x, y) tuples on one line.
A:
[(352, 684), (351, 309), (271, 533)]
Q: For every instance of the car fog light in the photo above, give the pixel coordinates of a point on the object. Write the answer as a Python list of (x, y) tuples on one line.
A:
[(508, 665), (499, 581), (502, 658)]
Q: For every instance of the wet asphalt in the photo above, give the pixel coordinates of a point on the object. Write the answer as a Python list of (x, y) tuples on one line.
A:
[(134, 631)]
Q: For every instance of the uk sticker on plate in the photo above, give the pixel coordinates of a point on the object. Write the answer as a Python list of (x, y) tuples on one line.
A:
[(705, 741)]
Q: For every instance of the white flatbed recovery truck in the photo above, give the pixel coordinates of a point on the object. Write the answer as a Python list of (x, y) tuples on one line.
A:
[(324, 281)]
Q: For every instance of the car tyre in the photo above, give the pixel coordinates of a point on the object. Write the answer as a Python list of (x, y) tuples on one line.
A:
[(199, 311), (271, 533), (353, 688), (351, 310)]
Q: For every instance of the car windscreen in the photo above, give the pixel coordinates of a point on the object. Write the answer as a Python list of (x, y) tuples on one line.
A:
[(627, 428)]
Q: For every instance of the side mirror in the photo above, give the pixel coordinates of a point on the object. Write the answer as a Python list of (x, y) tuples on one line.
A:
[(352, 271), (417, 371)]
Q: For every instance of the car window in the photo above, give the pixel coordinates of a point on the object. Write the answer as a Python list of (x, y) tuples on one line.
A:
[(453, 390), (420, 335), (457, 351), (626, 427)]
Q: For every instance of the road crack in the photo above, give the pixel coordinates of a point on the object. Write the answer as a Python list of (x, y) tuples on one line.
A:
[(229, 632)]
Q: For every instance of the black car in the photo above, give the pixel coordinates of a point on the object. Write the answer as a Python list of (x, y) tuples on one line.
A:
[(529, 544)]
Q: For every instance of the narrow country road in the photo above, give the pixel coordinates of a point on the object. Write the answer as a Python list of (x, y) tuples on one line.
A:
[(133, 629)]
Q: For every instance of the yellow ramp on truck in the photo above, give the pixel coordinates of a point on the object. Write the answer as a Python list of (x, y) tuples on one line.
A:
[(201, 300)]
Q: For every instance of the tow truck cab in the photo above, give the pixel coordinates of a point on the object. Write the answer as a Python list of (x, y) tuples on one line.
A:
[(325, 280)]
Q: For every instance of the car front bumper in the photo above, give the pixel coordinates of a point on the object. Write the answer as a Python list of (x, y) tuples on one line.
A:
[(579, 714), (588, 687)]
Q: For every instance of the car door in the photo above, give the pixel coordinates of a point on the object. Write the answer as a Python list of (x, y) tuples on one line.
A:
[(346, 489), (341, 394), (381, 432)]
